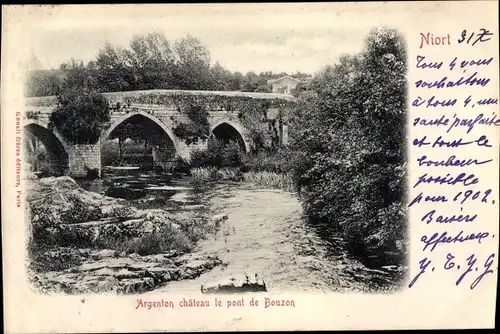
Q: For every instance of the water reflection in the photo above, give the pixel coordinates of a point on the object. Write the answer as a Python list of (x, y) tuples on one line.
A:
[(135, 184)]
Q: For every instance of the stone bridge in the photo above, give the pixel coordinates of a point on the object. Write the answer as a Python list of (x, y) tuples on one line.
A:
[(159, 109)]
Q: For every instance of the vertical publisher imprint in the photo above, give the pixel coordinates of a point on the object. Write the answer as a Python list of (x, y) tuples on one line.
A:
[(18, 158)]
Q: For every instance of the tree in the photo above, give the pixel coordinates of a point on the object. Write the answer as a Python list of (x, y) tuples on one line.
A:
[(347, 138), (76, 77), (193, 64), (236, 81), (254, 83), (152, 58), (81, 112), (151, 62), (221, 77), (43, 82), (111, 70)]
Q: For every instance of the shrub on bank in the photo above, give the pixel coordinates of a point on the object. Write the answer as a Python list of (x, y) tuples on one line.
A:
[(347, 139), (203, 174), (270, 180), (268, 161), (154, 243), (218, 154), (182, 165), (182, 238), (207, 174), (225, 162)]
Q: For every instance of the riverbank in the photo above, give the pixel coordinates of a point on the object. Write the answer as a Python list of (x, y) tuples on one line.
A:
[(266, 235), (82, 241)]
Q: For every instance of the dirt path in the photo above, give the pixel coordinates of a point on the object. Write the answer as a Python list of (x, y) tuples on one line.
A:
[(265, 235)]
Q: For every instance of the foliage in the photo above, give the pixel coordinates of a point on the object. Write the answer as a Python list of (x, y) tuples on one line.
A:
[(206, 174), (81, 112), (198, 127), (167, 239), (270, 180), (133, 153), (347, 139), (80, 116), (265, 161), (262, 119), (218, 154), (255, 83), (203, 174), (30, 114), (182, 165), (43, 82), (203, 177), (193, 64), (151, 61)]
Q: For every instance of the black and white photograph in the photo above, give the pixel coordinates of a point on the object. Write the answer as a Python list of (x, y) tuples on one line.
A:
[(217, 154)]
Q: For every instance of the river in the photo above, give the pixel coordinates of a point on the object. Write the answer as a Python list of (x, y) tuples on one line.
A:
[(265, 234)]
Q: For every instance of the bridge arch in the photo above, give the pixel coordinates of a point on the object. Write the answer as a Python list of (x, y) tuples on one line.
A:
[(56, 147), (227, 130), (147, 116)]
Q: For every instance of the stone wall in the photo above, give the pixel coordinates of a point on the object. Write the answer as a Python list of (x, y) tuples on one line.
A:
[(83, 158)]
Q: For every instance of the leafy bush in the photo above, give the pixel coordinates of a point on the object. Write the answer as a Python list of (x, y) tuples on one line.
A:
[(347, 144), (181, 165), (197, 129), (203, 174), (218, 154), (206, 174), (80, 115)]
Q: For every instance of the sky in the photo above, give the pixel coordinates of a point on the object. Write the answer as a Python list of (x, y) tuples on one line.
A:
[(241, 38)]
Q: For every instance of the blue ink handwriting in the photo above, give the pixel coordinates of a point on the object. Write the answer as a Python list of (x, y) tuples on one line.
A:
[(440, 219), (481, 37), (422, 64), (470, 194), (469, 63), (456, 121), (444, 82), (451, 161), (433, 102), (424, 264), (443, 238), (460, 178), (451, 263), (439, 142), (471, 262)]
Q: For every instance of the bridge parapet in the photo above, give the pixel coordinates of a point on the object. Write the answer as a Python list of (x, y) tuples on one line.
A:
[(171, 99)]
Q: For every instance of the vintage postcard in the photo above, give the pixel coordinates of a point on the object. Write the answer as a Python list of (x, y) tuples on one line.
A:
[(223, 167)]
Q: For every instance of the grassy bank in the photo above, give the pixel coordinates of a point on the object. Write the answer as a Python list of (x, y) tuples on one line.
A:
[(58, 222), (262, 179)]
